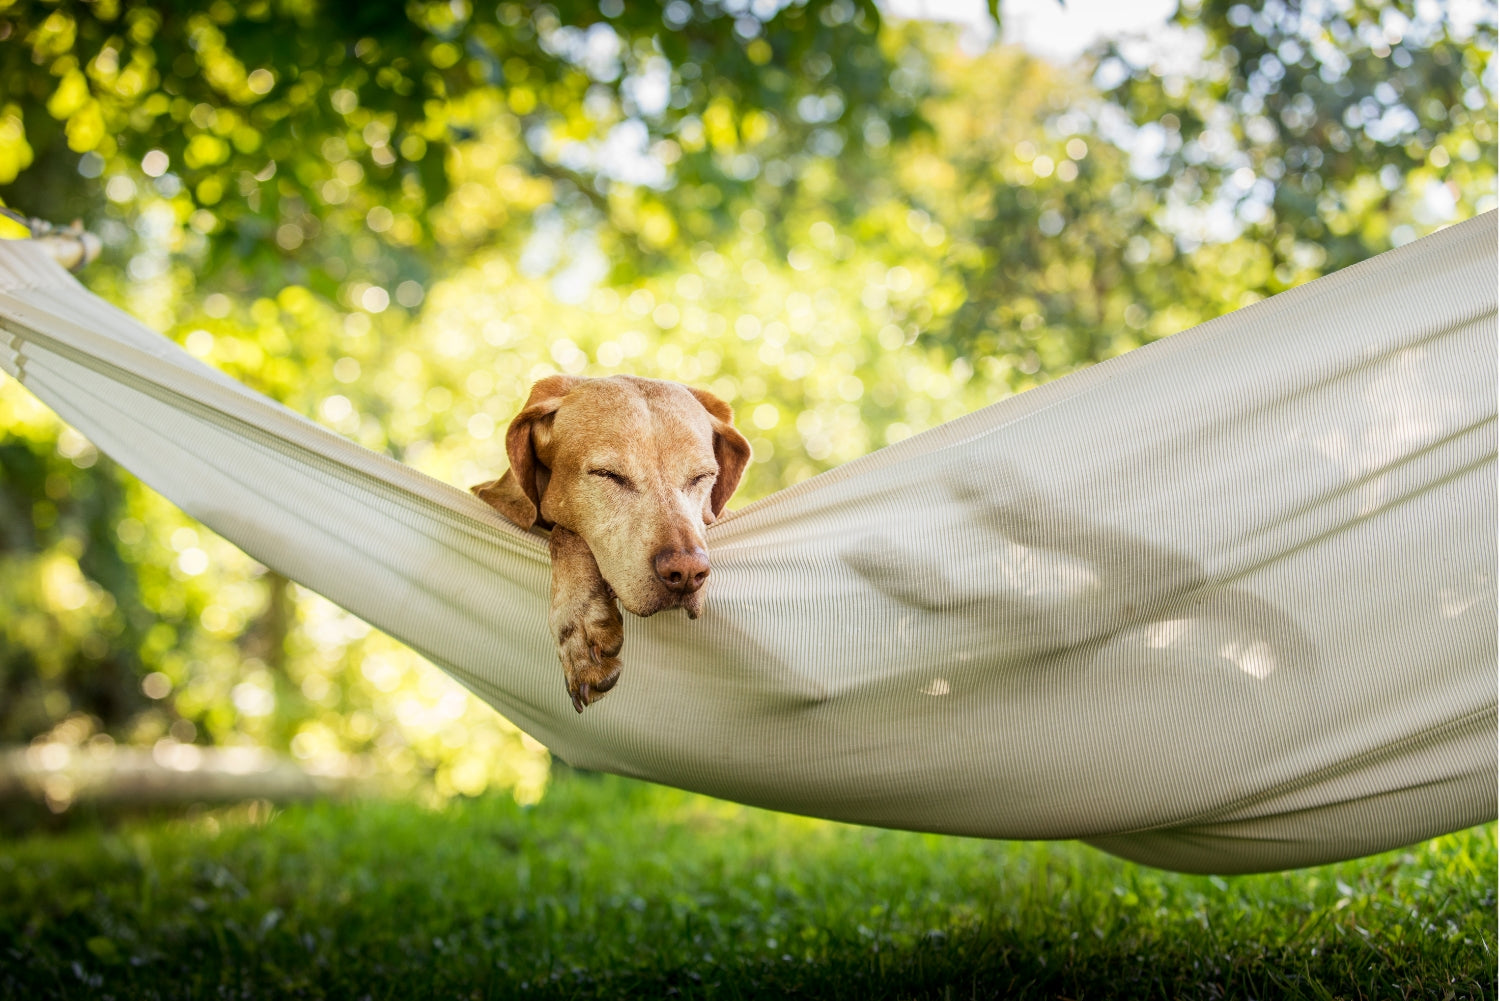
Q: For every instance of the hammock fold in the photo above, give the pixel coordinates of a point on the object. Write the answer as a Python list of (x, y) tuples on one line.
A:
[(1226, 603)]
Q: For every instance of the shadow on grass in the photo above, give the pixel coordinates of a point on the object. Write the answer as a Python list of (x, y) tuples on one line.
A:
[(612, 889), (979, 963)]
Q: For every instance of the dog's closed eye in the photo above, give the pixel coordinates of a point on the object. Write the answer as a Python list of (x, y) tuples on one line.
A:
[(613, 477), (700, 479)]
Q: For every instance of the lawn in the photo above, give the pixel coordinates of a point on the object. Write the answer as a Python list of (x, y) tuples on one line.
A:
[(612, 889)]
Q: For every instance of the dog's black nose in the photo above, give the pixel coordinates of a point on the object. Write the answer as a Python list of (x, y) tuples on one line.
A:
[(682, 570)]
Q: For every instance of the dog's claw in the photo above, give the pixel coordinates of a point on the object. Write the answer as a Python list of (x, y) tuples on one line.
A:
[(594, 653), (581, 698)]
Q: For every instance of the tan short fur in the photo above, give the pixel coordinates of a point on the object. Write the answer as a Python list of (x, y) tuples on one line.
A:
[(625, 472)]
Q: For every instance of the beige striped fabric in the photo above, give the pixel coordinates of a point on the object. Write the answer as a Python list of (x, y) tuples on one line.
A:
[(1226, 603)]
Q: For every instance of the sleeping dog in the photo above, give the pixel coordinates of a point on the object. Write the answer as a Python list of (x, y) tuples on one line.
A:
[(625, 472)]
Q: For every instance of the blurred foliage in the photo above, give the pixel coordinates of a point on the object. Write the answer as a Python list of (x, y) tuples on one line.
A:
[(291, 138), (395, 218), (1328, 131)]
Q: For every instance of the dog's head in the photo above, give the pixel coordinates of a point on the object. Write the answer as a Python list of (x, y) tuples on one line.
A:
[(636, 467)]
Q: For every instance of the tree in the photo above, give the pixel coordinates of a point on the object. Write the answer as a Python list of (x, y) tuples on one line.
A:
[(1328, 132), (289, 140)]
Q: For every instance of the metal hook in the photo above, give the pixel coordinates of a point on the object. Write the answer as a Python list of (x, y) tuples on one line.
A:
[(73, 246)]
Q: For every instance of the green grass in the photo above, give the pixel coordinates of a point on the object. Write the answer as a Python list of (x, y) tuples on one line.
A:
[(616, 889)]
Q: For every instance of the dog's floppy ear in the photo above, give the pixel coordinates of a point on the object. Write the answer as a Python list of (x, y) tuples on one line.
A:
[(528, 443), (506, 496), (731, 450)]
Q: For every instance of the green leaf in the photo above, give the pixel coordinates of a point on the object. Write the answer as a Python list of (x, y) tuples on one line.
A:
[(103, 949)]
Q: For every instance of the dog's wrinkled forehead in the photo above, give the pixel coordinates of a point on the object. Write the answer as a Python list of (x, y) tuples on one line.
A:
[(617, 416)]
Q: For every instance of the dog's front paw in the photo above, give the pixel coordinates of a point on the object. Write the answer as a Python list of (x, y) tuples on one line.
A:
[(589, 635)]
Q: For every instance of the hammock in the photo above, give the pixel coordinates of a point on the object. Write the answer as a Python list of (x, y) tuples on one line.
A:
[(1224, 604)]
